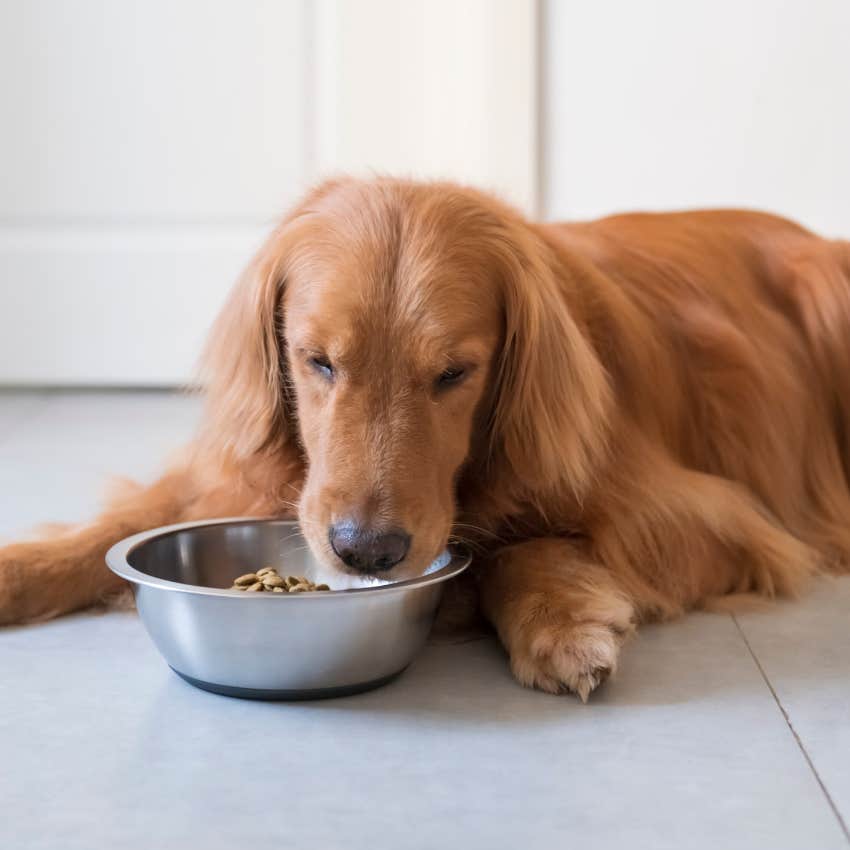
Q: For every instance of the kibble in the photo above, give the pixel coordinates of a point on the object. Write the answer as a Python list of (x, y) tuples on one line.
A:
[(267, 580), (244, 581)]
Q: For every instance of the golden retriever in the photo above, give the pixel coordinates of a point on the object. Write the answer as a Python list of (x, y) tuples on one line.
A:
[(626, 418)]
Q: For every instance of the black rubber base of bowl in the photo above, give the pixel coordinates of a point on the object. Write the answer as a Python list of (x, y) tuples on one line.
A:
[(296, 694)]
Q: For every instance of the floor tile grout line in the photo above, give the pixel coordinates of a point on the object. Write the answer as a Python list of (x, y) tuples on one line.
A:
[(790, 725)]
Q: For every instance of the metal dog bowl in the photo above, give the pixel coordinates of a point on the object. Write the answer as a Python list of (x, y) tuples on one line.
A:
[(273, 645)]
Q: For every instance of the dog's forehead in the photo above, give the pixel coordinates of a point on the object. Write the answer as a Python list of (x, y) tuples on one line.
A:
[(386, 287)]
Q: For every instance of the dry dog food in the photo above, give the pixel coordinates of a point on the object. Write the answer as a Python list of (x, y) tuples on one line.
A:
[(267, 580)]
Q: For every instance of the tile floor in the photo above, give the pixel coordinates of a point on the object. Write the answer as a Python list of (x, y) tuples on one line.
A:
[(718, 732)]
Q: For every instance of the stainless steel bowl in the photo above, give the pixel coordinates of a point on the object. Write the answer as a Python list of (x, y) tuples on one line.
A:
[(273, 645)]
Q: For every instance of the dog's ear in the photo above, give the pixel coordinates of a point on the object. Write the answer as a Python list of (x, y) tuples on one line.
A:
[(243, 366), (552, 395), (249, 401)]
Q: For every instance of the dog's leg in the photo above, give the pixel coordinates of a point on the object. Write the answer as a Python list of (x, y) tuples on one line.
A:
[(679, 540), (561, 617), (676, 539), (40, 579)]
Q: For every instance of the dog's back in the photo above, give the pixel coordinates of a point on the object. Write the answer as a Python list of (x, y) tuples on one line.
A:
[(727, 334)]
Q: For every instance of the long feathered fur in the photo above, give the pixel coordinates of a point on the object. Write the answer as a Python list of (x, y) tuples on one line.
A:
[(665, 420)]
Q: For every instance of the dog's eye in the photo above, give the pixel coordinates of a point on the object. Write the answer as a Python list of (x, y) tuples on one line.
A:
[(323, 366), (452, 375)]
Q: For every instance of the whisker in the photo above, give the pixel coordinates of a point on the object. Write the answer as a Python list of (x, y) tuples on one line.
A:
[(473, 545), (291, 536), (478, 530), (289, 504)]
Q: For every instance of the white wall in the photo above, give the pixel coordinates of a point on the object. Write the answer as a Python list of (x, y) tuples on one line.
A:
[(431, 88), (145, 148), (663, 104)]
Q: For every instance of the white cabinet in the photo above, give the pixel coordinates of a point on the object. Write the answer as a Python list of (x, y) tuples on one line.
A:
[(146, 147)]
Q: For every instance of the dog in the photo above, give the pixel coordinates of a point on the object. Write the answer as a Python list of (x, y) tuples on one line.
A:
[(626, 418)]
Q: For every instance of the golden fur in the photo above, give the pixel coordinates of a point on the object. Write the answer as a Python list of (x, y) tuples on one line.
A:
[(654, 413)]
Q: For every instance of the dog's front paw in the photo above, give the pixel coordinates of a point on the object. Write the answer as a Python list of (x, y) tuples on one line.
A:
[(566, 656)]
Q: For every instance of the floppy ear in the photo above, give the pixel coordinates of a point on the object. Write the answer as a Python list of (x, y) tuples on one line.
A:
[(549, 419), (243, 365), (250, 407)]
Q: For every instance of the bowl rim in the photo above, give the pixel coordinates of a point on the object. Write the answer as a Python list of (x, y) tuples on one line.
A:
[(117, 559)]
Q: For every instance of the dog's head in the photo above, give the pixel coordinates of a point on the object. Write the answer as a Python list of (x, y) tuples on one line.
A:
[(400, 335)]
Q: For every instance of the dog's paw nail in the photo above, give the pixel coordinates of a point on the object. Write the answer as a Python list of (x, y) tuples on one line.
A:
[(590, 682), (568, 659)]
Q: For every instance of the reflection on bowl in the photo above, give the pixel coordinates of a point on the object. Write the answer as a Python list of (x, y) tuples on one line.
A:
[(357, 636)]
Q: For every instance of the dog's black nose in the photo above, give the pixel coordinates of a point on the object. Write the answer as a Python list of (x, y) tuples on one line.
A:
[(367, 549)]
